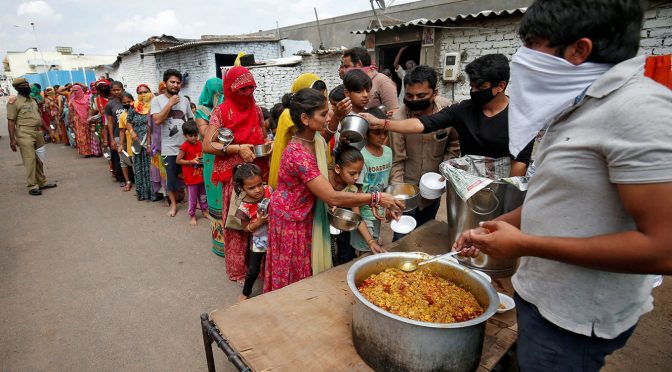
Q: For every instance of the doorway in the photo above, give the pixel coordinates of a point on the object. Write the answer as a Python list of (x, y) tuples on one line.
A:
[(223, 60), (387, 54)]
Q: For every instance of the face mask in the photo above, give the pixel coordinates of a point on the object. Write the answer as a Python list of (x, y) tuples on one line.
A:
[(542, 86), (127, 106), (418, 105), (145, 97), (481, 97), (24, 91)]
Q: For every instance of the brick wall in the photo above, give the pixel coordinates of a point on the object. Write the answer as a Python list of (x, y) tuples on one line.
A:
[(501, 36), (274, 82), (491, 36), (135, 69), (199, 61), (657, 30)]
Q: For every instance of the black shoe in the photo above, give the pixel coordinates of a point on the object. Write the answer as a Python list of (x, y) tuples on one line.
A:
[(48, 186), (156, 197), (35, 192)]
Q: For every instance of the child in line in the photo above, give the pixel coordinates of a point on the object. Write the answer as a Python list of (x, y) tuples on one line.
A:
[(247, 178), (348, 164), (189, 157), (375, 177), (357, 85), (276, 111)]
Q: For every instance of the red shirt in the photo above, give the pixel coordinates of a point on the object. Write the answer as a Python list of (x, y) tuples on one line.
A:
[(192, 175)]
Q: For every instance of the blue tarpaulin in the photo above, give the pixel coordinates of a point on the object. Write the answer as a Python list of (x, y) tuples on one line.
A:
[(61, 77)]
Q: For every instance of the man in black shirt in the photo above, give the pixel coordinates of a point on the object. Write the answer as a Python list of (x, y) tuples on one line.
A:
[(481, 122)]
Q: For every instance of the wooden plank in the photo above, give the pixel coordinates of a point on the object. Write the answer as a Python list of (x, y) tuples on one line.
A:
[(308, 324)]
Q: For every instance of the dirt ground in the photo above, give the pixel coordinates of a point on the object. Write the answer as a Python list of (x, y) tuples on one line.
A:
[(91, 279)]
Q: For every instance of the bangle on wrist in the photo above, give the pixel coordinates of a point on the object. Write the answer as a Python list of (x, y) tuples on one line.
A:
[(386, 123), (368, 242), (238, 150)]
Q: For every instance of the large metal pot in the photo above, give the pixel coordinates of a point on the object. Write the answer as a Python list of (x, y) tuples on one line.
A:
[(387, 342), (491, 202)]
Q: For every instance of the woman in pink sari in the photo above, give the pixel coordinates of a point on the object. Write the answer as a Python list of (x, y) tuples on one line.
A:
[(79, 115)]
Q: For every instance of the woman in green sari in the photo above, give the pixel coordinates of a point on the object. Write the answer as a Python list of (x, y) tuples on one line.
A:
[(211, 96)]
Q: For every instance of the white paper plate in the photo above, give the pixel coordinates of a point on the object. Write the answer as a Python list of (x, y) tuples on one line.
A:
[(506, 301), (333, 230), (432, 181), (405, 225)]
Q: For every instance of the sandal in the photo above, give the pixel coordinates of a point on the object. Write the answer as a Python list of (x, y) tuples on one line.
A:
[(128, 186)]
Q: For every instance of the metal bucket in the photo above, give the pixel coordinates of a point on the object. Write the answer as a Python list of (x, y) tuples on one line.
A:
[(491, 202)]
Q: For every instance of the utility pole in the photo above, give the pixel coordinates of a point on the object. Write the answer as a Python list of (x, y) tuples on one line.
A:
[(37, 42)]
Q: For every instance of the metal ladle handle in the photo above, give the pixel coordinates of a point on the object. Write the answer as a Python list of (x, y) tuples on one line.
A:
[(438, 257)]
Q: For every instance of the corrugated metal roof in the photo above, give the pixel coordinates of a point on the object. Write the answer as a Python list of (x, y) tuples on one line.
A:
[(217, 40), (460, 17)]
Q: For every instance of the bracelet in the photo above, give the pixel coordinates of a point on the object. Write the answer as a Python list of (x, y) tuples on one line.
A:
[(238, 153), (368, 242), (375, 198), (386, 123)]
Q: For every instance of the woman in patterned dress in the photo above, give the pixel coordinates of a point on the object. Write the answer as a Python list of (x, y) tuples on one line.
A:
[(136, 123), (79, 115)]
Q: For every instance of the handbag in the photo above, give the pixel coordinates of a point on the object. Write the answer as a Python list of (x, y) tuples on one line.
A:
[(232, 222)]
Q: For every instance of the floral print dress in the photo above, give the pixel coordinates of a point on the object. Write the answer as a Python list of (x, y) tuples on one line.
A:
[(290, 225)]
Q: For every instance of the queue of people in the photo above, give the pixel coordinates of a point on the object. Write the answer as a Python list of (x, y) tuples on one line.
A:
[(587, 236)]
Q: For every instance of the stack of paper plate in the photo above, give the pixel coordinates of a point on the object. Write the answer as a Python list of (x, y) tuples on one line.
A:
[(432, 185)]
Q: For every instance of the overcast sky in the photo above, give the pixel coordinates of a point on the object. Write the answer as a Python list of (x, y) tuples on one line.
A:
[(110, 27)]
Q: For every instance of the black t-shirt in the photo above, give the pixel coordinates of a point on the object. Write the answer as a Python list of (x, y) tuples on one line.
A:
[(114, 108), (479, 134)]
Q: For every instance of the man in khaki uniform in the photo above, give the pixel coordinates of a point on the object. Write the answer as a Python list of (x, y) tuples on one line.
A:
[(25, 131)]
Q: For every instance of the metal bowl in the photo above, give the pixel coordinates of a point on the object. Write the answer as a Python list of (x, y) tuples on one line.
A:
[(262, 207), (263, 150), (225, 136), (354, 128), (344, 219), (388, 342), (136, 147), (406, 192)]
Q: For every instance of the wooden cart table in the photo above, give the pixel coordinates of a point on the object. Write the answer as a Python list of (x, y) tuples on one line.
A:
[(307, 325)]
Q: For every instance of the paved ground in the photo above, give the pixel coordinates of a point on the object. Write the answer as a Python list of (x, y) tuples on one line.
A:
[(91, 279)]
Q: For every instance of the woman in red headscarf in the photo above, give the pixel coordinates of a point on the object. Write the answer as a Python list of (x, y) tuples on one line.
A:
[(243, 117), (79, 114)]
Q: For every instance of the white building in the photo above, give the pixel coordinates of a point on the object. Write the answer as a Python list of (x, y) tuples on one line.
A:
[(32, 61)]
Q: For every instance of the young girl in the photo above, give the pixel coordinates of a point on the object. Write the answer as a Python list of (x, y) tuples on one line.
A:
[(374, 178), (247, 178), (348, 163), (191, 151)]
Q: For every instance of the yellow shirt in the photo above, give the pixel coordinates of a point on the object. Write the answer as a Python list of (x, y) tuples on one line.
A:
[(129, 141)]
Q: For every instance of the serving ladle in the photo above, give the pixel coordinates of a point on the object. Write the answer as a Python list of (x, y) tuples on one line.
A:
[(411, 266)]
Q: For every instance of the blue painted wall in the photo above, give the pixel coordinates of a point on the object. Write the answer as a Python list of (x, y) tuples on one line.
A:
[(61, 77)]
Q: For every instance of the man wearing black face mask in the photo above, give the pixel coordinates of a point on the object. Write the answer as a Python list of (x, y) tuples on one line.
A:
[(417, 154), (481, 122), (25, 132)]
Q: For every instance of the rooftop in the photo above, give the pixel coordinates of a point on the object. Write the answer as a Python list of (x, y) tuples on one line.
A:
[(458, 18)]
